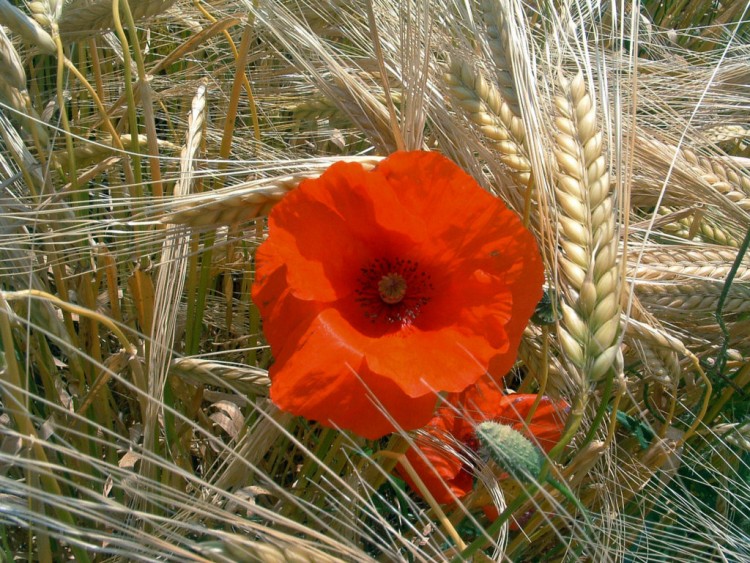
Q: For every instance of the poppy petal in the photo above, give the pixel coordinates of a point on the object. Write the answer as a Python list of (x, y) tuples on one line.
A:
[(324, 378), (441, 471), (408, 279), (455, 420)]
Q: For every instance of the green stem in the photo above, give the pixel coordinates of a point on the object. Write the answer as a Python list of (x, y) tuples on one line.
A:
[(573, 423), (78, 196), (136, 189), (600, 412), (492, 530), (721, 359)]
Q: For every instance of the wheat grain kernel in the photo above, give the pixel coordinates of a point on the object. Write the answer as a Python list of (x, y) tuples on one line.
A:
[(572, 348), (586, 119), (604, 233), (605, 260), (569, 165), (604, 362), (599, 190), (606, 333), (587, 298), (575, 231), (605, 310), (494, 133), (566, 111), (574, 273), (574, 324), (607, 283), (524, 176), (603, 212), (594, 172), (517, 129), (575, 253), (577, 87), (507, 147), (571, 186), (570, 205), (567, 143), (519, 164)]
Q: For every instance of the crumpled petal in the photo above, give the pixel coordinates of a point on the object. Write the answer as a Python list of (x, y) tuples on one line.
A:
[(438, 460)]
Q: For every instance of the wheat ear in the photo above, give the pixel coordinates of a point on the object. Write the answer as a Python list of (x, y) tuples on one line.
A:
[(93, 152), (690, 262), (733, 185), (245, 379), (531, 353), (498, 40), (79, 18), (28, 29), (11, 69), (320, 108), (170, 283), (591, 306), (695, 224), (724, 133), (244, 203), (493, 116), (698, 296), (13, 88)]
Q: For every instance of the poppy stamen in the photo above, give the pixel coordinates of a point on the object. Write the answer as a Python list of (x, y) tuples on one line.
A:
[(393, 290)]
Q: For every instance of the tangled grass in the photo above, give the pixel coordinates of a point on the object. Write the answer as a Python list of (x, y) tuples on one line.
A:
[(141, 145)]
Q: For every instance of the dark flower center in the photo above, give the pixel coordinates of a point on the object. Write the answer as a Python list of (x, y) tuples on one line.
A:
[(393, 290)]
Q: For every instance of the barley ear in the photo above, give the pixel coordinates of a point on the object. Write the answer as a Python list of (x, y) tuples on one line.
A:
[(79, 18), (170, 282), (591, 305), (721, 177), (232, 208), (13, 94), (495, 17), (29, 30), (493, 117)]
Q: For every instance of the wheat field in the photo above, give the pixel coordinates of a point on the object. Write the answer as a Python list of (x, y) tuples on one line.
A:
[(142, 147)]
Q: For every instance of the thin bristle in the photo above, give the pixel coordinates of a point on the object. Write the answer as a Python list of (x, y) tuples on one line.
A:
[(143, 149)]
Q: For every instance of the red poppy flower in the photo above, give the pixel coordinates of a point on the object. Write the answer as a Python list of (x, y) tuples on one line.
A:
[(391, 284), (443, 469)]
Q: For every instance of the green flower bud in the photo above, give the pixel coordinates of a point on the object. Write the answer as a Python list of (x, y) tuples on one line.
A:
[(510, 449)]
